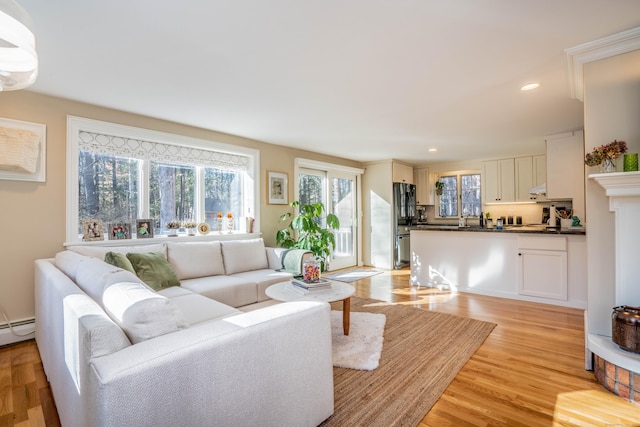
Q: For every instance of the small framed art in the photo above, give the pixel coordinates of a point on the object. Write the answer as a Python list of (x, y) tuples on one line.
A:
[(119, 230), (92, 230), (277, 188), (144, 228)]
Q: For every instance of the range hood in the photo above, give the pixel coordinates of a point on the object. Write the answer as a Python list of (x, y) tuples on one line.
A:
[(539, 189)]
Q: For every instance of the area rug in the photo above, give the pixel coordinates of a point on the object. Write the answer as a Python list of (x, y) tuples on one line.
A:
[(422, 353), (351, 275), (362, 347)]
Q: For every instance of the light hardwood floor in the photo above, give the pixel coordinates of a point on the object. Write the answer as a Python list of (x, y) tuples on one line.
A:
[(529, 371)]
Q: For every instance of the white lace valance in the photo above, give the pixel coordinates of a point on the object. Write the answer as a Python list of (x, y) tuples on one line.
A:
[(160, 152)]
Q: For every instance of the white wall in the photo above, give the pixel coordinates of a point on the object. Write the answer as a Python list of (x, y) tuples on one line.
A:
[(612, 111)]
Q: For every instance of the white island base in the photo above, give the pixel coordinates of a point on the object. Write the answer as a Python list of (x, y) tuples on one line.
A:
[(491, 264)]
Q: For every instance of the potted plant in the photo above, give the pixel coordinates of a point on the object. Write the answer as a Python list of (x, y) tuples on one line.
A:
[(439, 188), (605, 155), (306, 231), (190, 225), (173, 226)]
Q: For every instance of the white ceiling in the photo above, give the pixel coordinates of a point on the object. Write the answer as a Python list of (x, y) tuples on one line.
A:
[(361, 79)]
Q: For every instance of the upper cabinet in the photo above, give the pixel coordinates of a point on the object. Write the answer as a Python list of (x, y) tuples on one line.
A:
[(498, 181), (425, 186), (402, 173), (565, 169), (531, 171)]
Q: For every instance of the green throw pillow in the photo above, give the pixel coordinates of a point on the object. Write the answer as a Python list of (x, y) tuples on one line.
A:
[(154, 270), (119, 260)]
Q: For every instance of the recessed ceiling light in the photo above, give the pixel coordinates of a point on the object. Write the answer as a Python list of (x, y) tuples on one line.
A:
[(433, 150), (530, 86)]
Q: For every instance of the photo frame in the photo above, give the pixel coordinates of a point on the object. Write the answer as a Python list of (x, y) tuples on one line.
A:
[(119, 230), (144, 228), (277, 188), (92, 230), (23, 148)]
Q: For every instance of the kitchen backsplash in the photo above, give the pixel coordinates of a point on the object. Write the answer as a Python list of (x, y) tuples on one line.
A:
[(530, 213)]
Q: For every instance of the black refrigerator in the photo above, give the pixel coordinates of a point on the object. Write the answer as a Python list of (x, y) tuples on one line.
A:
[(404, 214)]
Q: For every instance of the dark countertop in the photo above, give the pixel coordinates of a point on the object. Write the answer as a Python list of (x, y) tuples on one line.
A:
[(534, 229)]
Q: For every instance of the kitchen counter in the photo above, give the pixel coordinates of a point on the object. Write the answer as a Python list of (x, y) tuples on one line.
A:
[(534, 229)]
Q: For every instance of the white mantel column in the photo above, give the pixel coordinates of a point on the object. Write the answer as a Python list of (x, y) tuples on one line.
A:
[(623, 190)]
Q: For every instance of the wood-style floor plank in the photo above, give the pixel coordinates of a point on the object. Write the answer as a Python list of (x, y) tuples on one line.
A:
[(529, 371)]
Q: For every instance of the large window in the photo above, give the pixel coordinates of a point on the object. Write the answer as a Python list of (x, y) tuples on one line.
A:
[(123, 174), (460, 196)]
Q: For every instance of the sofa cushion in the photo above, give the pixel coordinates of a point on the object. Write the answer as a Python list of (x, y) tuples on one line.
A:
[(101, 251), (153, 269), (233, 291), (119, 260), (263, 279), (199, 309), (244, 255), (94, 275), (195, 259), (140, 312)]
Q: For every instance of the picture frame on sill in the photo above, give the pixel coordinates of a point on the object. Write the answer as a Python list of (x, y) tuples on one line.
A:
[(92, 230), (119, 231), (277, 188), (144, 228)]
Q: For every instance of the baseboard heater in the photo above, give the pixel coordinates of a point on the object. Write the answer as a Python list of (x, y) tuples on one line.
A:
[(25, 328)]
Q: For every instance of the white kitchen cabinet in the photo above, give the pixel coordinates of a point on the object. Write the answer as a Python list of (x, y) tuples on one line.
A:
[(425, 186), (539, 174), (402, 173), (530, 172), (542, 267), (565, 169), (498, 181)]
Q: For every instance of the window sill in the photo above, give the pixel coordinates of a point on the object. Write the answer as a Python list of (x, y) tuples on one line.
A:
[(213, 236)]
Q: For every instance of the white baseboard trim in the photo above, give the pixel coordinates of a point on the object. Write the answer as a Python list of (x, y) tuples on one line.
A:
[(23, 327)]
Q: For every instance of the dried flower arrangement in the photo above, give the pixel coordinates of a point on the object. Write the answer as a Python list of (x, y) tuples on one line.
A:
[(189, 223), (605, 153), (173, 225)]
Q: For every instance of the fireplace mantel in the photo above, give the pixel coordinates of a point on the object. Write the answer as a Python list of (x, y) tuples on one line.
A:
[(619, 184), (623, 191)]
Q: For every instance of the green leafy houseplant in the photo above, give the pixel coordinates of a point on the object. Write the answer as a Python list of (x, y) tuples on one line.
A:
[(439, 187), (306, 230)]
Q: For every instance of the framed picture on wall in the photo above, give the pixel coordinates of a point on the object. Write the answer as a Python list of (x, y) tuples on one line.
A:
[(92, 230), (119, 230), (277, 188), (144, 228)]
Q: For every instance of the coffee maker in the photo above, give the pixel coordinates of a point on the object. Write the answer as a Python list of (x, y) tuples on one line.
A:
[(421, 214)]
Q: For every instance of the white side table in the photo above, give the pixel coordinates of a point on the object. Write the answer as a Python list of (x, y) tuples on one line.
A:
[(339, 292)]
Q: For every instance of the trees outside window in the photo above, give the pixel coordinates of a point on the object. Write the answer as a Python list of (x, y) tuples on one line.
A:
[(463, 202)]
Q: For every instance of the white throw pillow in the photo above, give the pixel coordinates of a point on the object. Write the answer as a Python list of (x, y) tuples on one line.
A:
[(195, 259), (244, 255), (140, 312)]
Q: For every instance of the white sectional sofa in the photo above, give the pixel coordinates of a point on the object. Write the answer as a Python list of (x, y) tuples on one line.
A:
[(119, 353)]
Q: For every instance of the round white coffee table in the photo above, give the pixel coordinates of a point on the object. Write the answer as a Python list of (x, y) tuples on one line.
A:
[(339, 292)]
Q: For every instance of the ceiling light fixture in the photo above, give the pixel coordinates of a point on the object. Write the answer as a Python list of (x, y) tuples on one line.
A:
[(18, 57), (530, 86), (433, 150)]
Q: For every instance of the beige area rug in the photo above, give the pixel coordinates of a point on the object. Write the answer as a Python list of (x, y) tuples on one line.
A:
[(362, 347), (351, 275), (422, 353)]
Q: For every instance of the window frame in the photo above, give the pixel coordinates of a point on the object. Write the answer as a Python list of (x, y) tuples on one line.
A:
[(75, 125), (459, 190)]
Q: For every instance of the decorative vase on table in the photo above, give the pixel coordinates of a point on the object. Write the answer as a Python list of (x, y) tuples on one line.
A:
[(220, 224), (229, 225)]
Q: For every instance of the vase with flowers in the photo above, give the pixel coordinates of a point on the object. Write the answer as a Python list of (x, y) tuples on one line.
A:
[(190, 225), (229, 223), (605, 155), (173, 227), (219, 222)]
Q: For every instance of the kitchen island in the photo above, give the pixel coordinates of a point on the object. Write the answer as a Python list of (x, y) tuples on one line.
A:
[(527, 263)]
